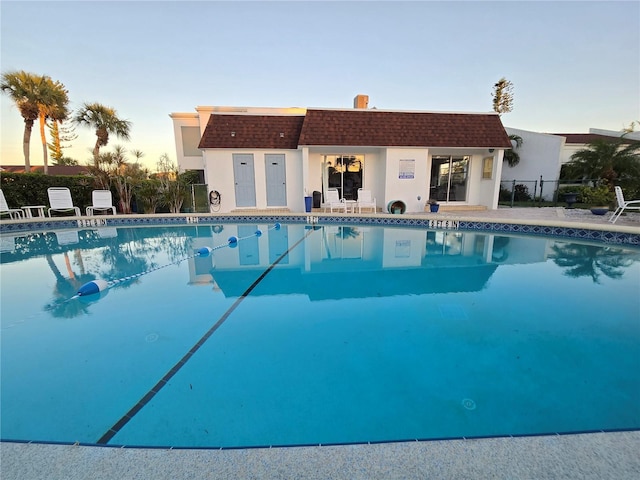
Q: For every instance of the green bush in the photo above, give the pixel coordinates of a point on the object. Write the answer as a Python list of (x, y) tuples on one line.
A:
[(521, 193), (22, 189), (599, 197), (581, 190)]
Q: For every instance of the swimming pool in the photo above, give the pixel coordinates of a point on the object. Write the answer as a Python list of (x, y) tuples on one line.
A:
[(309, 335)]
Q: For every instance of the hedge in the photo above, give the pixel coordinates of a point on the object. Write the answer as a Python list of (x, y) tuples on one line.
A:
[(21, 189)]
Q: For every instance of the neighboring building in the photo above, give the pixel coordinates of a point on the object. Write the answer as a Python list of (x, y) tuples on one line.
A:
[(539, 156), (542, 156), (271, 158), (578, 141), (539, 161)]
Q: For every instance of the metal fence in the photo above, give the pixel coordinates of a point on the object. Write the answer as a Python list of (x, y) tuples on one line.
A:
[(199, 201), (541, 192)]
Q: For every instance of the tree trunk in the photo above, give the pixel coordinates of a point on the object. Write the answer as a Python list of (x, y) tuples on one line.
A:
[(96, 153), (44, 145), (26, 139)]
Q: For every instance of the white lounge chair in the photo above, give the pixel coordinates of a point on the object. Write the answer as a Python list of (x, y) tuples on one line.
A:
[(14, 213), (365, 200), (102, 202), (332, 200), (623, 205), (60, 201)]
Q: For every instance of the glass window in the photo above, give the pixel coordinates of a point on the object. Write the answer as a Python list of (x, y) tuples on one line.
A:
[(190, 141), (487, 167)]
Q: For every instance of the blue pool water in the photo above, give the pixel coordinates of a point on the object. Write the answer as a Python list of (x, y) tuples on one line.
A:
[(314, 336)]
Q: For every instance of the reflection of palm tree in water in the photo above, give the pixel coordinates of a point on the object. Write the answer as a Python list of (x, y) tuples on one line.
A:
[(66, 288), (591, 261), (348, 232)]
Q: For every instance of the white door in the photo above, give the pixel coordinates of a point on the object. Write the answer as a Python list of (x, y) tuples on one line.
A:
[(276, 180), (244, 177)]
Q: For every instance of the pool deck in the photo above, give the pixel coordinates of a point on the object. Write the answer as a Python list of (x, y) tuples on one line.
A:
[(587, 456), (614, 455)]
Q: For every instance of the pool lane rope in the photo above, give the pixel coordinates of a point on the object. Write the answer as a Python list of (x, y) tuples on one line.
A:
[(96, 286)]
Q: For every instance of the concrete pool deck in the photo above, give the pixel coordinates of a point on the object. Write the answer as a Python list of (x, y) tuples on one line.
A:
[(612, 455), (586, 456)]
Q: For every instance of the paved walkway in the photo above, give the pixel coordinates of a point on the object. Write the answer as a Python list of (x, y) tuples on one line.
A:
[(546, 214)]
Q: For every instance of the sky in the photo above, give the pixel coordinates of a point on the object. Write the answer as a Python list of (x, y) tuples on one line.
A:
[(574, 65)]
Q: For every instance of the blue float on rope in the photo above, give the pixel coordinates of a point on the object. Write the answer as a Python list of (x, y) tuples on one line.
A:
[(90, 288)]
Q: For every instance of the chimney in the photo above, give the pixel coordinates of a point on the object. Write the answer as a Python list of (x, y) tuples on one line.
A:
[(361, 101)]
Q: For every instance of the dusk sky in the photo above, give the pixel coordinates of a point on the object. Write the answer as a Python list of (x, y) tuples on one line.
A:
[(574, 65)]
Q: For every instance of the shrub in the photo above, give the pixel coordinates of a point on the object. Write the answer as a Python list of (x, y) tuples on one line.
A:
[(22, 189), (521, 193), (599, 196)]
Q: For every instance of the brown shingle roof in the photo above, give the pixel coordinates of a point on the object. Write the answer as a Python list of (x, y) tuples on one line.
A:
[(252, 131), (355, 128), (403, 129)]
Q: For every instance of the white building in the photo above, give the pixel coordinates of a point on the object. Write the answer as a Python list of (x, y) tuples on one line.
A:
[(271, 158), (543, 154)]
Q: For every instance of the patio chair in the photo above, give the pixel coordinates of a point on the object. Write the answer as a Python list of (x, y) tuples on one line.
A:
[(623, 205), (332, 200), (365, 200), (14, 213), (102, 202), (60, 201)]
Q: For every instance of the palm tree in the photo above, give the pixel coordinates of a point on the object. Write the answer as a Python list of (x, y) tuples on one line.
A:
[(36, 96), (610, 161), (53, 107), (105, 120), (511, 156)]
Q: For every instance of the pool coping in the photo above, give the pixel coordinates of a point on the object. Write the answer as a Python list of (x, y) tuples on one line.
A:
[(605, 233)]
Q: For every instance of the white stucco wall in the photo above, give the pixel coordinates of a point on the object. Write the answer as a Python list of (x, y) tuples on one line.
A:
[(186, 120), (486, 191), (568, 149), (406, 189), (540, 156), (219, 176)]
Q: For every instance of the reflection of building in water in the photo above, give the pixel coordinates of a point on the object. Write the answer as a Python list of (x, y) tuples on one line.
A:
[(336, 261)]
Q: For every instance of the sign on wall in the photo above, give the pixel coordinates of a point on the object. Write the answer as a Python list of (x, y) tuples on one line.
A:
[(407, 168)]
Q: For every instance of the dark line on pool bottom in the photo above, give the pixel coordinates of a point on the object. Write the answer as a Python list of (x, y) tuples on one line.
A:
[(164, 380)]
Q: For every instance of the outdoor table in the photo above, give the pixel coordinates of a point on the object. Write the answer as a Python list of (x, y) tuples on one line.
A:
[(39, 210)]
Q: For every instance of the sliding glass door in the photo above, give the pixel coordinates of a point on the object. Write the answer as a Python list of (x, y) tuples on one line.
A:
[(449, 175), (343, 172)]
